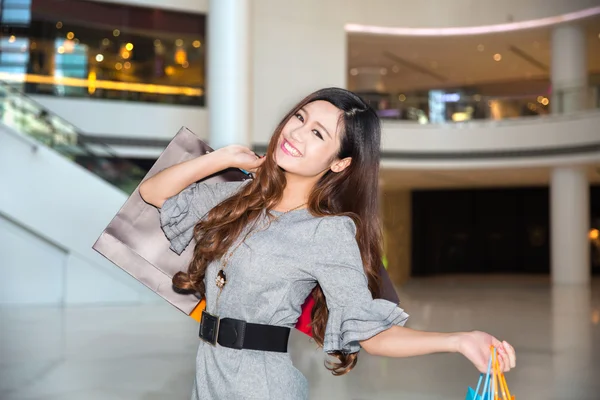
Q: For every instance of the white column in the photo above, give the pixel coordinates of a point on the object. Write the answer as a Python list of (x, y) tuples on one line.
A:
[(570, 220), (568, 69), (229, 81), (572, 336)]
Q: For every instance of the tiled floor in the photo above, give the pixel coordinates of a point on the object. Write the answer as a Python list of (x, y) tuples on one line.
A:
[(147, 353)]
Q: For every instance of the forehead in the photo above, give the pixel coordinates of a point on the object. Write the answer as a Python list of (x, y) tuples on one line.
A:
[(325, 113)]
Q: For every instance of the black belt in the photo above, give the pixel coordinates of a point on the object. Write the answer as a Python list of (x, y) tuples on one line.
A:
[(238, 334)]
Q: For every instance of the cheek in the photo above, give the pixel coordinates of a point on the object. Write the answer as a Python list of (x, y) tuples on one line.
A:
[(320, 156)]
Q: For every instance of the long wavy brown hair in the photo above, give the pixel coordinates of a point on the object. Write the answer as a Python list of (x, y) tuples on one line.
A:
[(352, 192)]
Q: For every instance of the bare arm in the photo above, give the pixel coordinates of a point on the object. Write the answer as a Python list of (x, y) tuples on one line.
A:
[(405, 342), (173, 180)]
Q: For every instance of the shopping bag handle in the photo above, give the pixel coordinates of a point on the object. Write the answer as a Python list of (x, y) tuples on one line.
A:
[(503, 386), (487, 377)]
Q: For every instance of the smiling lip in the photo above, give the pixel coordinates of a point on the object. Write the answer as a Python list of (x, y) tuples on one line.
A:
[(287, 151)]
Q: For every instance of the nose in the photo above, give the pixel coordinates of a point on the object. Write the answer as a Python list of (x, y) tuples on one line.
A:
[(298, 134)]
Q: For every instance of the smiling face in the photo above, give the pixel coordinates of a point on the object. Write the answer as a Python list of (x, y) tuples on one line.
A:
[(310, 141)]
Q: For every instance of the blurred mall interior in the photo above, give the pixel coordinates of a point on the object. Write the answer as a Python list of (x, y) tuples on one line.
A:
[(490, 177)]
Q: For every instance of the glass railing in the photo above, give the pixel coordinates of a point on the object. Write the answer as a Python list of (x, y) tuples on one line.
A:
[(442, 107), (27, 117)]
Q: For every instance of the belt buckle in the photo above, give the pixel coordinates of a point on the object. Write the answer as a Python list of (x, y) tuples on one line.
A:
[(209, 328)]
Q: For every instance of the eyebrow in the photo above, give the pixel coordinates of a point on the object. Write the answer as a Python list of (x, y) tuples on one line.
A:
[(318, 123)]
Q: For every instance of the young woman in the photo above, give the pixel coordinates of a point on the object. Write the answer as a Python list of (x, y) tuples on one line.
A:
[(308, 222)]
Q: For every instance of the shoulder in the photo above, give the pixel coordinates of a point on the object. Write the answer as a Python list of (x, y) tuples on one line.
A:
[(335, 228)]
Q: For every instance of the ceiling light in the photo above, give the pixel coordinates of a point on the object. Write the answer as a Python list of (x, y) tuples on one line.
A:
[(196, 43), (129, 46), (477, 97), (185, 64), (401, 97), (70, 35), (116, 32), (60, 50), (58, 25), (12, 39), (179, 42), (396, 69), (545, 101), (118, 66), (353, 72), (68, 45), (480, 47), (99, 57), (540, 98), (127, 65), (475, 30), (497, 57), (105, 42), (383, 71)]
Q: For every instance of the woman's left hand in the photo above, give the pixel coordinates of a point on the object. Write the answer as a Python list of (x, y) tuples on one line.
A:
[(475, 346)]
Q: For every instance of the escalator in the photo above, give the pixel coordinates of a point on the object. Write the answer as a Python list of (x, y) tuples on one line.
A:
[(57, 194), (27, 117)]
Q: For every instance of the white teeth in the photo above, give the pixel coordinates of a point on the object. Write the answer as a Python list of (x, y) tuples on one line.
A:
[(292, 150)]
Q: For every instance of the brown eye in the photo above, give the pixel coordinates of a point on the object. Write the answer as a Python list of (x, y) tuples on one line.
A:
[(300, 117), (316, 132)]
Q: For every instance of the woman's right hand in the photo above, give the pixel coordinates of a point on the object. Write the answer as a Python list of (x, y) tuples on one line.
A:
[(241, 157)]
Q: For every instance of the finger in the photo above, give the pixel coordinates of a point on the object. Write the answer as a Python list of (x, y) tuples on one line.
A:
[(509, 351), (496, 343), (512, 356), (257, 164), (249, 152), (504, 364), (502, 357)]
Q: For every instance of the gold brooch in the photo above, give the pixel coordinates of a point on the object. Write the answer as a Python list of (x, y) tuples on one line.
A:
[(221, 279)]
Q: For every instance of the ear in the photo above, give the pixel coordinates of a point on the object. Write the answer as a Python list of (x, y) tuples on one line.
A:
[(340, 165)]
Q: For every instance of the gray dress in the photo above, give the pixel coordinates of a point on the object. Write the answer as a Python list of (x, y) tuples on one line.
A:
[(268, 279)]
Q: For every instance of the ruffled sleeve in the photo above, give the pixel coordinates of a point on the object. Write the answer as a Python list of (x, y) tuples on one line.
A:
[(180, 213), (353, 313)]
